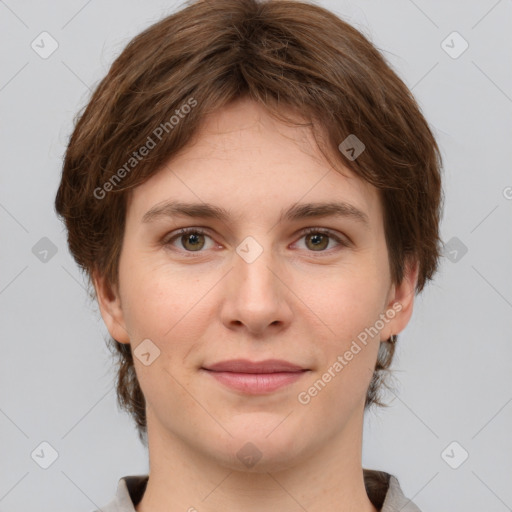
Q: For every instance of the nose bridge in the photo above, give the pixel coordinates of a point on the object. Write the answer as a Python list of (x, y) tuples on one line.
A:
[(252, 273), (255, 297)]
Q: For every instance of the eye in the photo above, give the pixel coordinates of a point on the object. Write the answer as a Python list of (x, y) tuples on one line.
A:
[(318, 239), (193, 239)]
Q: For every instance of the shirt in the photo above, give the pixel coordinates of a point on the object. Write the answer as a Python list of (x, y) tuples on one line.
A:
[(382, 488)]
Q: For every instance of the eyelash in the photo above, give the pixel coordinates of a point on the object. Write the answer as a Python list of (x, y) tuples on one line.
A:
[(199, 231)]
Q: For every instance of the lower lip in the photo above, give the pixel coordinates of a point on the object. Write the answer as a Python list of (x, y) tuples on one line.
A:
[(256, 383)]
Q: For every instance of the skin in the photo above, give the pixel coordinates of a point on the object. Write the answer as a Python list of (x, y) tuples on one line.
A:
[(295, 302)]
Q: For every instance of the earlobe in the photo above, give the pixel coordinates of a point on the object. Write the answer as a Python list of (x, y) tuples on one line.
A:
[(110, 307), (401, 302)]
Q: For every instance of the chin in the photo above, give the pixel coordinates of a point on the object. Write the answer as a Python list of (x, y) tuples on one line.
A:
[(251, 458), (258, 450)]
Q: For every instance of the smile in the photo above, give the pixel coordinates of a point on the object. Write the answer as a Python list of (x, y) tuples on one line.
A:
[(255, 378), (256, 383)]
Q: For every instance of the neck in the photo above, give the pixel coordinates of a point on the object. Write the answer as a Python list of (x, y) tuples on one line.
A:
[(184, 479)]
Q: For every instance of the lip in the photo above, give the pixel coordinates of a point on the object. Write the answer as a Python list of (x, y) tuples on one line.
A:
[(246, 366), (255, 378)]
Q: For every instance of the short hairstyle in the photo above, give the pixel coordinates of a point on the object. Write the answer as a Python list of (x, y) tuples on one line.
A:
[(288, 56)]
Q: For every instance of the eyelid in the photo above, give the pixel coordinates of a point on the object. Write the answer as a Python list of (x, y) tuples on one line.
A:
[(169, 237), (342, 240)]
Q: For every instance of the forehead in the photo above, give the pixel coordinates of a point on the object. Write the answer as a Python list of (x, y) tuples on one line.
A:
[(245, 161)]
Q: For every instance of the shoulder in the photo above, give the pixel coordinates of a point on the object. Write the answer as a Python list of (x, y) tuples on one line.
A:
[(129, 492), (385, 492), (382, 488)]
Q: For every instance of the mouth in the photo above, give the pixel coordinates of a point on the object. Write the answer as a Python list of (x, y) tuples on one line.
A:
[(255, 378)]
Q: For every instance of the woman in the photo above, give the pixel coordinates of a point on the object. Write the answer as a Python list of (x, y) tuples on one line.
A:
[(255, 197)]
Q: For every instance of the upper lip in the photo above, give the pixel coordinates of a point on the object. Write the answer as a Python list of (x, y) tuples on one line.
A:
[(246, 366)]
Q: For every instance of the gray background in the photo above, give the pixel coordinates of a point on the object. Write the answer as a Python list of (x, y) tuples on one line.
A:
[(454, 360)]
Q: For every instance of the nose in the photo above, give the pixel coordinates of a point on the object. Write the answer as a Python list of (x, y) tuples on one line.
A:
[(256, 297)]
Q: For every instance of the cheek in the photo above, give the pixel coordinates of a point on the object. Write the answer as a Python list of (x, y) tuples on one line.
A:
[(157, 299), (352, 305), (164, 307), (354, 301)]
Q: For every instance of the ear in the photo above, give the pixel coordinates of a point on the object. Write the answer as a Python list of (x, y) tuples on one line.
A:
[(109, 303), (401, 301)]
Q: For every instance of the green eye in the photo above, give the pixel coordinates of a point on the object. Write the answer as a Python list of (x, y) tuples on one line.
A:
[(193, 240)]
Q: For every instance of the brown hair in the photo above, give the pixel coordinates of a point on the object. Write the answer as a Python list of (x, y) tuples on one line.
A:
[(285, 55)]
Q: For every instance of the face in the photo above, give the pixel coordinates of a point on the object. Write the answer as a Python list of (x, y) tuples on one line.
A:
[(289, 289)]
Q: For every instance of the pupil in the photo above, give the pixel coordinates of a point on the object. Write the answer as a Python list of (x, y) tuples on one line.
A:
[(192, 241), (318, 240)]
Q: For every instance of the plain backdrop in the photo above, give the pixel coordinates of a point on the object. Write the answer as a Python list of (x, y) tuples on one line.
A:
[(446, 435)]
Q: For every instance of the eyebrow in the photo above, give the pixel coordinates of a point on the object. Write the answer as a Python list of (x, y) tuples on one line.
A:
[(294, 213)]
